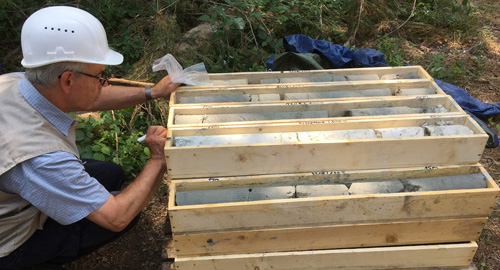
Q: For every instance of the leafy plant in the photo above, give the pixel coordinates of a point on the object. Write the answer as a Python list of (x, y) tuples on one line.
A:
[(112, 136), (483, 265), (250, 31), (394, 54), (13, 14), (450, 14), (493, 123), (442, 68)]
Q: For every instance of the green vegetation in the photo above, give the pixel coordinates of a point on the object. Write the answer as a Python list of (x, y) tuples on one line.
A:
[(96, 139), (112, 136), (394, 53), (483, 265), (494, 124), (246, 33)]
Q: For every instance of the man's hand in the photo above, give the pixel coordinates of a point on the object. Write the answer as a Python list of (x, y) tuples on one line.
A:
[(155, 140), (163, 88)]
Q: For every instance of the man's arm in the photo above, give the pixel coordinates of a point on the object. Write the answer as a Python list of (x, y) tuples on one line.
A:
[(119, 210), (121, 97)]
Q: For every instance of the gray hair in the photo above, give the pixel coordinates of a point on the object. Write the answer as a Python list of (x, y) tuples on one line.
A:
[(47, 76)]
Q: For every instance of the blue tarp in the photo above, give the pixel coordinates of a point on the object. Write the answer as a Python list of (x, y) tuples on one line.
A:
[(343, 57)]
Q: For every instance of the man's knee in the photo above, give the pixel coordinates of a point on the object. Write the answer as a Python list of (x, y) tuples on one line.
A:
[(116, 172), (109, 174)]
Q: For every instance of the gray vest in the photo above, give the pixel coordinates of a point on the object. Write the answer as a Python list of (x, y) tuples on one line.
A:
[(24, 134)]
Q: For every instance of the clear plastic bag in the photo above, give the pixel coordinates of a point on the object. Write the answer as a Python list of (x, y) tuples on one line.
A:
[(193, 75)]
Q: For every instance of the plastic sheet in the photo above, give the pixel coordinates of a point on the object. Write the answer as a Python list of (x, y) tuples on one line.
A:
[(339, 56), (193, 75)]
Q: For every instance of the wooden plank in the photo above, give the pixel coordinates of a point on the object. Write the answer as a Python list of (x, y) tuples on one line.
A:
[(323, 177), (471, 123), (190, 91), (490, 183), (172, 189), (404, 257), (394, 85), (234, 160), (424, 74), (335, 210), (434, 85), (329, 237), (335, 109)]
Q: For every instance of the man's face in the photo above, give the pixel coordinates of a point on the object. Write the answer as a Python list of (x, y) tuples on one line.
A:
[(88, 88)]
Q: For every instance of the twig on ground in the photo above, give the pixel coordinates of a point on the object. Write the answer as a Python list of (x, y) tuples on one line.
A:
[(20, 9), (409, 17), (352, 39), (116, 138)]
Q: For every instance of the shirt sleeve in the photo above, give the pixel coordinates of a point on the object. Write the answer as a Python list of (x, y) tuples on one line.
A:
[(58, 185)]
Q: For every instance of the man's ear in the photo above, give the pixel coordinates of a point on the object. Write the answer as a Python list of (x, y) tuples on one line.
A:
[(66, 81)]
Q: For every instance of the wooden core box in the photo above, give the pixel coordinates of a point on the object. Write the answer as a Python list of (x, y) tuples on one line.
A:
[(326, 181)]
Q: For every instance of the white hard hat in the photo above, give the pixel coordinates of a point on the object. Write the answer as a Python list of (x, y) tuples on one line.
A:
[(61, 33)]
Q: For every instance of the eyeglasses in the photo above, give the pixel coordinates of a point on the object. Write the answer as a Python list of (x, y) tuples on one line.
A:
[(103, 79)]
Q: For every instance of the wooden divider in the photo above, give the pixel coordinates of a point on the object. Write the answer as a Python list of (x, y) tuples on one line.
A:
[(405, 257), (323, 177), (255, 77), (329, 237), (332, 109)]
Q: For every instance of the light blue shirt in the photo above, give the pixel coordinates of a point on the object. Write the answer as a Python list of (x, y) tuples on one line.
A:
[(56, 183)]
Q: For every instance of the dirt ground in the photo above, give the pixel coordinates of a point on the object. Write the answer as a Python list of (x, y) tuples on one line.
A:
[(139, 248), (486, 88), (143, 246)]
